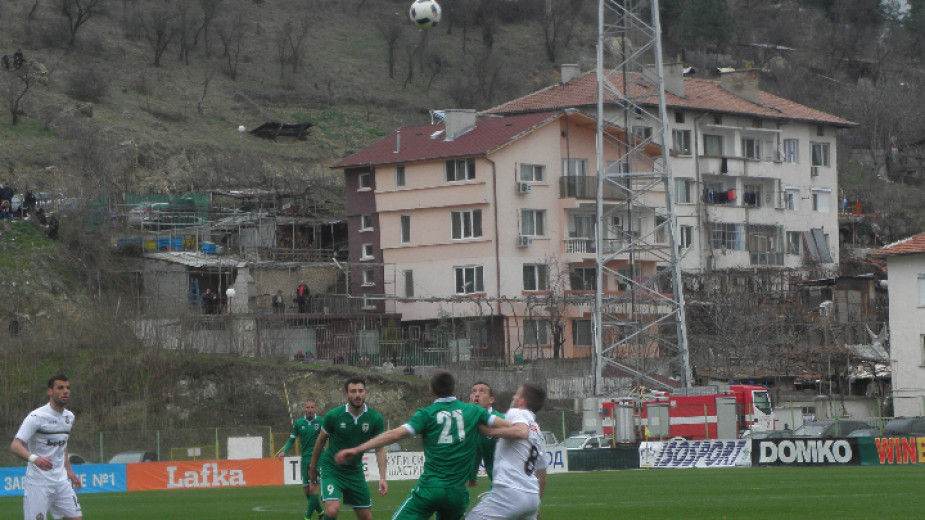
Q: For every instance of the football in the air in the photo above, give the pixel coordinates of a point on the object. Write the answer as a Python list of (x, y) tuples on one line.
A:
[(425, 13)]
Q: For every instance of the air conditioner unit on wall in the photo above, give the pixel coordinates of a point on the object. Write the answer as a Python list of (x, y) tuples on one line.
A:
[(523, 241), (523, 187)]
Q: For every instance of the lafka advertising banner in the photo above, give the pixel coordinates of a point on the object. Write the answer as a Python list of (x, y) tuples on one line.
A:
[(95, 478), (806, 452), (695, 454), (144, 476)]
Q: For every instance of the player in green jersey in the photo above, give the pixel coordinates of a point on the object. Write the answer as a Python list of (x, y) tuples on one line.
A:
[(345, 427), (306, 430), (482, 395), (449, 429)]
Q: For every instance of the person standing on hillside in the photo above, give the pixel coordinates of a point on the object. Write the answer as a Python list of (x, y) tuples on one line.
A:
[(50, 482), (306, 429), (482, 395), (301, 296), (449, 429), (520, 462), (345, 427)]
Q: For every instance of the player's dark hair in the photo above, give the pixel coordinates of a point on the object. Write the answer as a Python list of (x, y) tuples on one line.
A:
[(354, 381), (443, 383), (491, 391), (534, 395), (59, 377)]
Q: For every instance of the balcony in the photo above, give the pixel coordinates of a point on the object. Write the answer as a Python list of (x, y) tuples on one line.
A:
[(587, 245), (585, 187)]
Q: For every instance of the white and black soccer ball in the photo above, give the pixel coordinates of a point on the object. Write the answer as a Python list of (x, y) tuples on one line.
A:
[(425, 13)]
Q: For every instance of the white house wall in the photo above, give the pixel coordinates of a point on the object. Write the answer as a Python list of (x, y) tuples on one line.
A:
[(907, 333)]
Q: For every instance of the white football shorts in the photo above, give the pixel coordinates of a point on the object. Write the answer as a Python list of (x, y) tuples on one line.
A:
[(503, 503), (58, 498)]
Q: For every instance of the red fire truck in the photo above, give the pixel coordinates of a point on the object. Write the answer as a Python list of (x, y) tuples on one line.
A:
[(712, 412)]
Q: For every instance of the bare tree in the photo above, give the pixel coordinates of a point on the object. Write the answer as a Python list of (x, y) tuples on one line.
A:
[(557, 23), (391, 31), (295, 34), (231, 30), (78, 12), (209, 12), (187, 28), (17, 83), (160, 29)]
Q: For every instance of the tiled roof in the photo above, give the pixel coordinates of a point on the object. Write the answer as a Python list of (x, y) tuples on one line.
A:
[(913, 244), (699, 94), (414, 143)]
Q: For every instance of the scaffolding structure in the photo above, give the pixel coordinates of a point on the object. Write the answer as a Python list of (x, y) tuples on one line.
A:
[(635, 329)]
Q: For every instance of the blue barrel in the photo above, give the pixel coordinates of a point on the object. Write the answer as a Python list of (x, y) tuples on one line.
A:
[(163, 243), (176, 244), (208, 248)]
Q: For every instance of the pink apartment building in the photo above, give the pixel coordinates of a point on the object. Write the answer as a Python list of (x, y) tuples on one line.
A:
[(489, 221)]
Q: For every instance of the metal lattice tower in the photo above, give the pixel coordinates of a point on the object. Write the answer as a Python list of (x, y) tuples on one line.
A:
[(642, 324)]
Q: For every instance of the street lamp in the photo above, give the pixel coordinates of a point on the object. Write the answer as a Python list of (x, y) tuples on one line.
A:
[(241, 130)]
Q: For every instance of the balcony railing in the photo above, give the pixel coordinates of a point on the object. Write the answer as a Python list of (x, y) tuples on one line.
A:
[(585, 187), (587, 245)]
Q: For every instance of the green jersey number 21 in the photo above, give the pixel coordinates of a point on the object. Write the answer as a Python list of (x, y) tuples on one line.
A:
[(448, 420)]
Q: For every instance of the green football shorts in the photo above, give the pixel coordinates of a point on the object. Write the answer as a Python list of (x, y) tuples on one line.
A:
[(349, 488), (449, 503)]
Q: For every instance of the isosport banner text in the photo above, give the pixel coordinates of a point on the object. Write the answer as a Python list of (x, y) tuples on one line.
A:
[(805, 452), (95, 478), (204, 474), (694, 454)]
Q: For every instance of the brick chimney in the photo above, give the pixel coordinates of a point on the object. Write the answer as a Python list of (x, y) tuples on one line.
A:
[(569, 71), (458, 121), (672, 74), (743, 83)]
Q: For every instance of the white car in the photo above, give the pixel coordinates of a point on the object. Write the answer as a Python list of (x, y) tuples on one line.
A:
[(585, 442)]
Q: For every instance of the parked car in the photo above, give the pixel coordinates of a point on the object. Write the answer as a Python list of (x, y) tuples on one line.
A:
[(769, 434), (584, 442), (865, 432), (828, 429), (549, 439), (76, 459), (147, 214), (904, 427), (128, 457)]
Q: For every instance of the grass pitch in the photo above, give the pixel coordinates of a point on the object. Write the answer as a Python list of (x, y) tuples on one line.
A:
[(841, 493)]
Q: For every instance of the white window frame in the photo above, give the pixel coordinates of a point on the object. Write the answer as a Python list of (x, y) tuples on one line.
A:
[(755, 189), (588, 274), (467, 276), (727, 234), (366, 222), (751, 148), (921, 279), (465, 224), (536, 332), (369, 277), (585, 332), (400, 175), (409, 283), (822, 201), (791, 200), (791, 151), (574, 167), (794, 242), (685, 236), (452, 169), (365, 182), (642, 132), (533, 222), (532, 172), (404, 229), (820, 154), (685, 191), (535, 277), (681, 141), (706, 144), (367, 252)]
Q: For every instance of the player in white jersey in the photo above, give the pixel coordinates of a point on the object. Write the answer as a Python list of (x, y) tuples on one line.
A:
[(42, 441), (520, 462)]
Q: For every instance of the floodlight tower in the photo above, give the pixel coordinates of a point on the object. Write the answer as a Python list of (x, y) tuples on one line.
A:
[(639, 318)]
